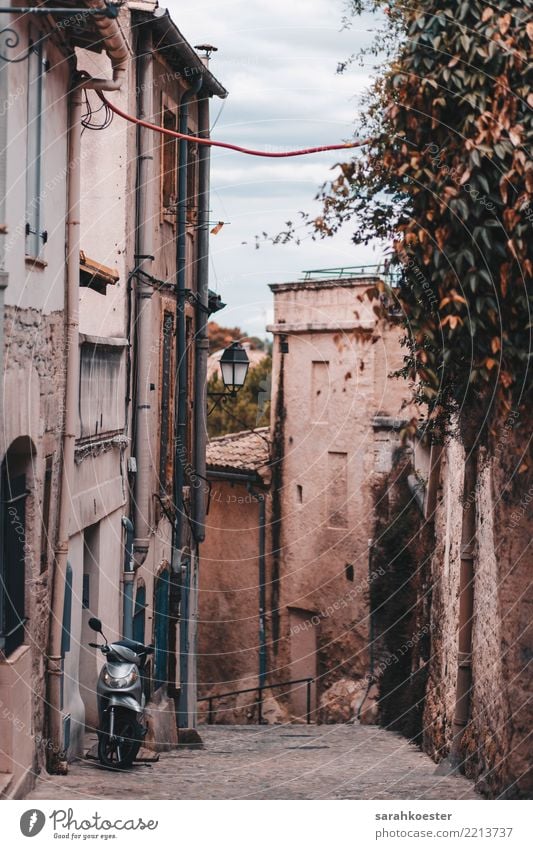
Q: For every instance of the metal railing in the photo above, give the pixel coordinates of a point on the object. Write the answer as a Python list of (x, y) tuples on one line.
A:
[(259, 701), (347, 271)]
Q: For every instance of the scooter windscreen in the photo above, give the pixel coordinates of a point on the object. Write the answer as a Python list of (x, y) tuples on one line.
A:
[(123, 653)]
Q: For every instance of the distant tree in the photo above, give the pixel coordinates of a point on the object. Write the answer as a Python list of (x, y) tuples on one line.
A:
[(250, 408), (221, 337)]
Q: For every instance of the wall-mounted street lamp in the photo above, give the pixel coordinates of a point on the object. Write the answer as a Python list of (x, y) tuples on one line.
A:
[(234, 365)]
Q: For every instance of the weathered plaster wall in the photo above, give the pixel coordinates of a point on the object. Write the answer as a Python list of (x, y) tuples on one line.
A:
[(229, 599)]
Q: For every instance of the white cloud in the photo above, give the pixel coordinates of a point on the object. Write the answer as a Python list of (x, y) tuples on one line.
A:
[(278, 61)]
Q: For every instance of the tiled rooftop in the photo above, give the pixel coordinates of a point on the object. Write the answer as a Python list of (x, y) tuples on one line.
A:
[(246, 451)]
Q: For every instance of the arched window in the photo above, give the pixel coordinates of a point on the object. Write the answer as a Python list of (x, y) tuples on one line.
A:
[(161, 610), (13, 493), (138, 613)]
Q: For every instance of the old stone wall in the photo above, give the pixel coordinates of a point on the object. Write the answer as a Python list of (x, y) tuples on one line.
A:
[(496, 741), (33, 416)]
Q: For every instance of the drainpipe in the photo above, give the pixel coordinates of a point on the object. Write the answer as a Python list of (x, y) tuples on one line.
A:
[(57, 760), (202, 342), (180, 454), (262, 592), (128, 578), (3, 233), (466, 613), (262, 585), (143, 261), (115, 47)]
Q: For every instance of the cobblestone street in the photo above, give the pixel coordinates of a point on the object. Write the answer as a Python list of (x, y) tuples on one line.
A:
[(271, 762)]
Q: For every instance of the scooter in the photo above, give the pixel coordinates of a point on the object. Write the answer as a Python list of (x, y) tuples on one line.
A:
[(121, 700)]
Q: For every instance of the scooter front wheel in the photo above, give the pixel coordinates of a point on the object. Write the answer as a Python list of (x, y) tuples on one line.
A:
[(120, 750)]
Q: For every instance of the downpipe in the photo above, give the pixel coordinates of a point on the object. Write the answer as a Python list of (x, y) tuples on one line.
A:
[(56, 756), (260, 496), (180, 453), (201, 349), (143, 315), (128, 578)]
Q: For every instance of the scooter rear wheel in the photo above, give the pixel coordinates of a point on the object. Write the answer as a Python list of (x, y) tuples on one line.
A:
[(120, 751)]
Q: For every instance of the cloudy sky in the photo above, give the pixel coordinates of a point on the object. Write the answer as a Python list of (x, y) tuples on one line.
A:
[(278, 60)]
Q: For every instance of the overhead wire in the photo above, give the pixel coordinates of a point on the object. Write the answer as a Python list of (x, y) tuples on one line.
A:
[(226, 145)]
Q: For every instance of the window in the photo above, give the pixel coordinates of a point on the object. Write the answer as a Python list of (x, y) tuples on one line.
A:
[(169, 168), (192, 188), (166, 442), (161, 621), (102, 376), (35, 234), (12, 564)]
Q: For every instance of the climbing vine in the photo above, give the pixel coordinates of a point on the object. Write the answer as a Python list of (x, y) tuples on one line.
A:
[(448, 182)]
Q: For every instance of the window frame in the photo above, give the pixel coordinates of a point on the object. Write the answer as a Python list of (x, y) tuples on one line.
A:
[(35, 234), (166, 401), (169, 148)]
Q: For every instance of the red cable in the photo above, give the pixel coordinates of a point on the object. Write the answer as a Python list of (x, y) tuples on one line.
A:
[(226, 145)]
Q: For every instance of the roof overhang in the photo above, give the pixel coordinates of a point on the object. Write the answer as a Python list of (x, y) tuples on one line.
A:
[(173, 45)]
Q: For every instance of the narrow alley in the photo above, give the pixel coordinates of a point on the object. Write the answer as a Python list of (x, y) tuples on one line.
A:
[(271, 762)]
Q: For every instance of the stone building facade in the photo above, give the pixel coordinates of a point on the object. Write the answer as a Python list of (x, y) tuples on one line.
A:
[(32, 270), (336, 415), (143, 293), (117, 533)]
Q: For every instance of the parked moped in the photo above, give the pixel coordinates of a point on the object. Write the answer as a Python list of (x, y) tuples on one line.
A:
[(121, 701)]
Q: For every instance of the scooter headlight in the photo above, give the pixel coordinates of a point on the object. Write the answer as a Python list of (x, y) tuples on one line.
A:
[(117, 683)]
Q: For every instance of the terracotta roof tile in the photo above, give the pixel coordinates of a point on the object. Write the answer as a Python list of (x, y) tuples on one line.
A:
[(246, 451)]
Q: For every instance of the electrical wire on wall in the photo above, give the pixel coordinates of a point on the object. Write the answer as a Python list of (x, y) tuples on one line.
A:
[(95, 119)]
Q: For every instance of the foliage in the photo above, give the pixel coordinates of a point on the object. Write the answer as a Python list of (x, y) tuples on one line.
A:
[(221, 337), (251, 407), (447, 181)]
